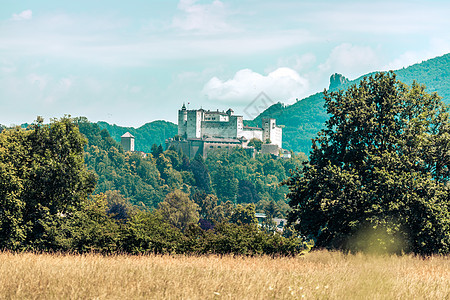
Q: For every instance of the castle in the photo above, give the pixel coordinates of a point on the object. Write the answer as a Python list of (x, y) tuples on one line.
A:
[(200, 131)]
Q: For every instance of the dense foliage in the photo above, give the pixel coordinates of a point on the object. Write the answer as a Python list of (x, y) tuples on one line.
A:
[(145, 181), (42, 174), (378, 173), (46, 200)]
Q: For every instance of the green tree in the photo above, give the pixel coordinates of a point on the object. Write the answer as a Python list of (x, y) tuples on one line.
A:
[(201, 174), (46, 174), (244, 214), (206, 203), (148, 232), (177, 209), (225, 184), (378, 173), (85, 229), (118, 206), (247, 192), (256, 143)]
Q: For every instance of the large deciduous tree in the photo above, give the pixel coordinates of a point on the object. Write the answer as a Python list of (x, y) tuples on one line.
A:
[(378, 174), (180, 211), (42, 173)]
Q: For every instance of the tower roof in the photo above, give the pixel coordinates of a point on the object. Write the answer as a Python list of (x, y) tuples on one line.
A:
[(127, 135)]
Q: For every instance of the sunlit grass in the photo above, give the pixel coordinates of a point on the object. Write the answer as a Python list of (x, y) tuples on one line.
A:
[(318, 275)]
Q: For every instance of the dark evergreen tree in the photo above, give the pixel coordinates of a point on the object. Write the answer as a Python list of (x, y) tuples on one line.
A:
[(247, 192), (201, 174)]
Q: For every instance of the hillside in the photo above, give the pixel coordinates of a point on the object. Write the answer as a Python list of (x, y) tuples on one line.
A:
[(155, 132), (303, 119)]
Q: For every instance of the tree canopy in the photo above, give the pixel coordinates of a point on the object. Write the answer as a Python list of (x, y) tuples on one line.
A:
[(42, 173), (378, 173)]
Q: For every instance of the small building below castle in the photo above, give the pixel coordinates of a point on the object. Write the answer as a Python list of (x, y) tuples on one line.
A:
[(201, 131)]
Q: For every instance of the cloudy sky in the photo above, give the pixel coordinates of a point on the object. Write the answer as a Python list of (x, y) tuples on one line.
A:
[(132, 62)]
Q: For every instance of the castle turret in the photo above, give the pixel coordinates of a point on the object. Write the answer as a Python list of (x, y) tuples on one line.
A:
[(182, 120)]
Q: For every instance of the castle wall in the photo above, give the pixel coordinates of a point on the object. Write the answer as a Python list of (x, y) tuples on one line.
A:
[(193, 147), (270, 149), (228, 129), (250, 133), (219, 129), (189, 147), (218, 146), (216, 116), (194, 123)]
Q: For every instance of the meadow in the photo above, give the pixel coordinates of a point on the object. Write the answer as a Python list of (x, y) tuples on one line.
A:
[(316, 275)]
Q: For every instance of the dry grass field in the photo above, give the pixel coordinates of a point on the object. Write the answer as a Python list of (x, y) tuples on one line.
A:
[(317, 275)]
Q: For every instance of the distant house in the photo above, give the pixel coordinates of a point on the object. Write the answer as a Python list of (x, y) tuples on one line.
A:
[(127, 141), (260, 217), (280, 223)]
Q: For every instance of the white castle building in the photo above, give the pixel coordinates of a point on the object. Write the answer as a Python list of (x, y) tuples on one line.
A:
[(200, 131)]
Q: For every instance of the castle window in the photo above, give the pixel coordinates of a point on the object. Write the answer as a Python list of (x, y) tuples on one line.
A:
[(219, 147)]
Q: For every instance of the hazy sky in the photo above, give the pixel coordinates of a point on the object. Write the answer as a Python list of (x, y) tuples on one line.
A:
[(132, 62)]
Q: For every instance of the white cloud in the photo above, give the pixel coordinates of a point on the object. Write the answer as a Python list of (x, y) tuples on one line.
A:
[(350, 60), (25, 15), (40, 81), (298, 63), (205, 18), (283, 84)]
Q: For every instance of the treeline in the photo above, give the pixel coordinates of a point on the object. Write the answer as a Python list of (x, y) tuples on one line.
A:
[(49, 203), (107, 224), (145, 181), (155, 132)]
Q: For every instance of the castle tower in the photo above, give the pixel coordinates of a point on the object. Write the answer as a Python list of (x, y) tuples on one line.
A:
[(127, 141), (194, 123), (182, 121), (271, 131)]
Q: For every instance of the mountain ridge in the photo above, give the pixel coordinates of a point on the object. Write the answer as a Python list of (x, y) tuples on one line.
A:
[(303, 119)]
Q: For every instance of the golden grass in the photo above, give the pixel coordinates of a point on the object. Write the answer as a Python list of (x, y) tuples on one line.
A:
[(317, 275)]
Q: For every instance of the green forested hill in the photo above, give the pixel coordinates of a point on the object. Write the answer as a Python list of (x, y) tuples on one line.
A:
[(303, 119), (155, 132), (434, 73), (147, 180)]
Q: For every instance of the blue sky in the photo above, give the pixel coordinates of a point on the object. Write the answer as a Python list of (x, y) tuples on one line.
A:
[(132, 62)]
